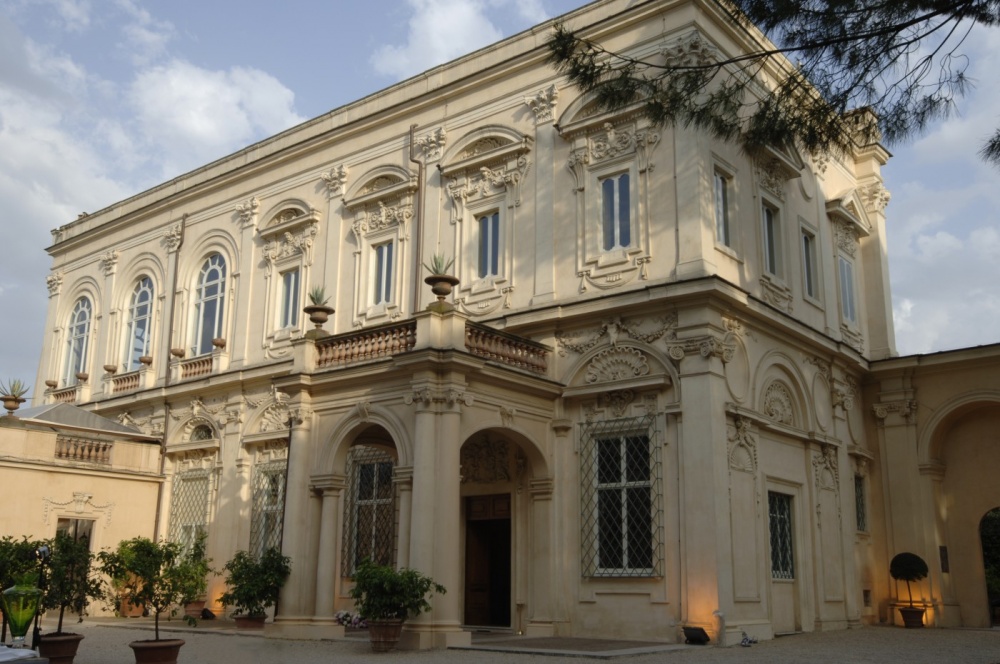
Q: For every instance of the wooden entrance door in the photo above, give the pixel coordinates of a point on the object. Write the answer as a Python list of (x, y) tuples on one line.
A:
[(487, 561)]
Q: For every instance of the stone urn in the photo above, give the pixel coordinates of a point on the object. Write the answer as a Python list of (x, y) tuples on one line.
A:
[(11, 403), (441, 285), (318, 314)]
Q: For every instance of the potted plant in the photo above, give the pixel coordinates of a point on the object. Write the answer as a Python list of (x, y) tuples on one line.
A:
[(12, 394), (17, 558), (439, 280), (318, 310), (151, 574), (195, 567), (386, 597), (909, 567), (254, 584), (71, 585)]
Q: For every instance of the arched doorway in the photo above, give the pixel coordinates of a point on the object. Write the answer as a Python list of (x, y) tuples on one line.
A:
[(989, 536)]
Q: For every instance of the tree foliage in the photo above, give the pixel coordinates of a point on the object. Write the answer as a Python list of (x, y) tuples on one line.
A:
[(255, 583), (70, 584), (824, 60)]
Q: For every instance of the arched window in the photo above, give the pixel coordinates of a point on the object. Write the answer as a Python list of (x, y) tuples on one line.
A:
[(209, 303), (77, 337), (140, 315)]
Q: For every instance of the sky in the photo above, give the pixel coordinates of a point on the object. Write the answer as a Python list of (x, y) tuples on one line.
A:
[(102, 99)]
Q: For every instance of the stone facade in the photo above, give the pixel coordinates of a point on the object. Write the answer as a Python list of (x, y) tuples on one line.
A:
[(640, 408)]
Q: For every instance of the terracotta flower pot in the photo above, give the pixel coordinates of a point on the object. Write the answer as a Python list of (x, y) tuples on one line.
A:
[(164, 651), (913, 616), (59, 648), (250, 622), (193, 609), (384, 634)]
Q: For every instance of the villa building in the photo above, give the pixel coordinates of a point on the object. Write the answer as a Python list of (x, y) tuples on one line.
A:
[(663, 393)]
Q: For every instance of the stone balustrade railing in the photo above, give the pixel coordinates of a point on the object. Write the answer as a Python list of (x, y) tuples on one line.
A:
[(84, 450), (64, 395), (371, 344), (196, 366), (125, 382), (496, 346)]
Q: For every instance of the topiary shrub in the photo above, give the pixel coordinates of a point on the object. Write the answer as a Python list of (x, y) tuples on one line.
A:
[(908, 567)]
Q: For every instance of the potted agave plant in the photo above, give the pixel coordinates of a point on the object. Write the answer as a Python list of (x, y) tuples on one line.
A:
[(12, 394), (909, 567), (70, 586), (151, 573), (254, 584), (439, 280), (317, 309), (386, 597)]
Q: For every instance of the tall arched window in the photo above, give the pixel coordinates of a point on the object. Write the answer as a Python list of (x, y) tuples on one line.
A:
[(209, 303), (77, 338), (140, 316)]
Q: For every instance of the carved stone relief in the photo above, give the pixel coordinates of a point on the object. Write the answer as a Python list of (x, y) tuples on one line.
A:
[(543, 104), (433, 144), (742, 445), (484, 461), (616, 364), (172, 238), (826, 468), (54, 283), (109, 262), (81, 503), (335, 181), (247, 212), (617, 328), (776, 294), (778, 404)]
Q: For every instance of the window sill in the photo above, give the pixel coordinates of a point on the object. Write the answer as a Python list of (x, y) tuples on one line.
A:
[(728, 251)]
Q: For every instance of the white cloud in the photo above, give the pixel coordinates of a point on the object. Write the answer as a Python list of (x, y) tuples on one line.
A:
[(441, 30), (146, 38), (192, 115)]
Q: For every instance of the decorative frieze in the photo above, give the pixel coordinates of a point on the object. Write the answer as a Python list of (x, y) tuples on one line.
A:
[(846, 235), (382, 217), (690, 50), (826, 468), (771, 177), (776, 294), (617, 364), (617, 401), (290, 244), (485, 461), (81, 503), (335, 181), (852, 337), (875, 197), (543, 104), (617, 328)]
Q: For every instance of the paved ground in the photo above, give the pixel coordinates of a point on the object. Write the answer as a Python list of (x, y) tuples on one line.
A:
[(106, 643)]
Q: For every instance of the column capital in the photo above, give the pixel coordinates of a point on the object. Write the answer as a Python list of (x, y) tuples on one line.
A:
[(327, 484)]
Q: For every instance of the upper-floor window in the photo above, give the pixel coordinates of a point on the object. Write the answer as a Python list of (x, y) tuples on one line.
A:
[(489, 245), (723, 230), (77, 341), (210, 301), (289, 298), (771, 235), (847, 307), (615, 212), (383, 273), (140, 316), (810, 273)]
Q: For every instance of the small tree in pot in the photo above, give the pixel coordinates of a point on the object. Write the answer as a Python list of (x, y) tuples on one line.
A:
[(151, 574), (909, 567), (386, 597), (70, 586), (254, 584), (195, 566)]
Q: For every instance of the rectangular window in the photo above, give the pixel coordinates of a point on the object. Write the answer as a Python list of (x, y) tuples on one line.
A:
[(489, 245), (621, 507), (289, 299), (772, 240), (268, 495), (78, 529), (370, 524), (615, 212), (779, 506), (809, 273), (383, 273), (189, 507), (847, 309), (860, 504), (723, 232)]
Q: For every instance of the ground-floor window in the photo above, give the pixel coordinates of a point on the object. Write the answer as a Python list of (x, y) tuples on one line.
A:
[(189, 507), (268, 485), (370, 509), (779, 507), (621, 507), (78, 529)]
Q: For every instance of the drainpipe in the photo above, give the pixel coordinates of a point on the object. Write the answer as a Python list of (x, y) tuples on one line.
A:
[(417, 217)]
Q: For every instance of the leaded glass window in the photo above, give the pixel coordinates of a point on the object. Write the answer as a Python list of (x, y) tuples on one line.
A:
[(268, 486), (779, 506), (860, 504), (189, 507), (370, 524), (621, 508), (140, 315)]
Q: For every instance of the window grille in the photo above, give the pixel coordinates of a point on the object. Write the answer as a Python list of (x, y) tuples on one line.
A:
[(779, 506), (370, 523), (189, 507), (268, 495), (621, 494), (860, 507)]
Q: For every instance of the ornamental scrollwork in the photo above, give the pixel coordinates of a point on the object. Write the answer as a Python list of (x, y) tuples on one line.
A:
[(778, 404), (335, 181), (543, 104)]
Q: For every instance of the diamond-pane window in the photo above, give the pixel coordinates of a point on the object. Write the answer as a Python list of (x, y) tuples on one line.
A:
[(189, 507), (268, 485), (370, 523), (860, 506), (779, 507), (621, 487)]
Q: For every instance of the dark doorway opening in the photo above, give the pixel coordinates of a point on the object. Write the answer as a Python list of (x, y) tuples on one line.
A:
[(487, 561), (989, 535)]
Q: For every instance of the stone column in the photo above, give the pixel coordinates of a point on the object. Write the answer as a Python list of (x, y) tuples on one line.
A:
[(328, 562), (541, 574), (447, 613), (543, 104), (294, 605), (167, 335)]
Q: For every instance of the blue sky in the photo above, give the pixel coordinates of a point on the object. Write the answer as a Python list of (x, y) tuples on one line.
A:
[(100, 99)]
